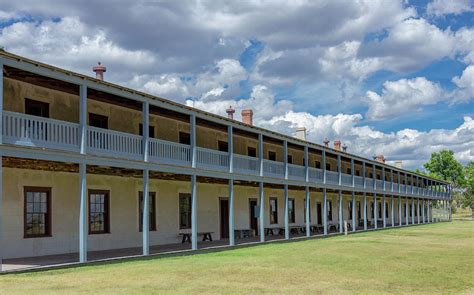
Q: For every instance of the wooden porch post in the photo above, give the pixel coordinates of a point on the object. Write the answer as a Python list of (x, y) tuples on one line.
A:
[(146, 212)]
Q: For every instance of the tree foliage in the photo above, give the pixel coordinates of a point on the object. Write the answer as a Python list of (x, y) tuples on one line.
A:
[(469, 185), (446, 167)]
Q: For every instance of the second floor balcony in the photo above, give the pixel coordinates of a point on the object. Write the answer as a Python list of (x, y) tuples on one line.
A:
[(32, 131)]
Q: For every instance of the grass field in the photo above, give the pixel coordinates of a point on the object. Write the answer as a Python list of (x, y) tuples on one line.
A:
[(431, 259)]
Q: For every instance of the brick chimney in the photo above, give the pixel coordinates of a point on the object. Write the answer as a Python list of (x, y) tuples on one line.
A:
[(301, 133), (99, 71), (380, 158), (230, 112), (337, 145), (247, 116), (326, 142)]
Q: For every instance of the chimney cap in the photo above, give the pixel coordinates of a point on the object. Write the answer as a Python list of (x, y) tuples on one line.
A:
[(326, 141), (99, 68), (230, 112)]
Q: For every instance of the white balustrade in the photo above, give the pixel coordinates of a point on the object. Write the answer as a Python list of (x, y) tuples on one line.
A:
[(273, 169), (346, 179), (112, 143), (369, 183), (315, 175), (167, 152), (402, 188), (246, 165), (27, 130), (358, 181), (332, 177), (212, 159), (395, 187), (296, 172), (379, 185)]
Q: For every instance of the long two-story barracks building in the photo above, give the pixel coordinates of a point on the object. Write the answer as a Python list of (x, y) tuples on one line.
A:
[(78, 172)]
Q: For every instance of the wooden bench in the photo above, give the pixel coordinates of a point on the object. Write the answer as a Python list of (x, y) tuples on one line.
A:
[(243, 233), (269, 231), (206, 236)]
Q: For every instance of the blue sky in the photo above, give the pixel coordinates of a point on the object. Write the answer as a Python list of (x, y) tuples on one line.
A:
[(385, 77)]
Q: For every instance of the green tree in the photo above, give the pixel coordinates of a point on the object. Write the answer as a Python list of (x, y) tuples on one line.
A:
[(469, 186), (446, 167)]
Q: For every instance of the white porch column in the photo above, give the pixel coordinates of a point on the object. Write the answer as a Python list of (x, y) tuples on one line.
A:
[(325, 209), (392, 216), (262, 212), (400, 211), (285, 159), (260, 153), (230, 144), (192, 137), (406, 211), (1, 183), (231, 213), (341, 212), (384, 221), (339, 169), (83, 117), (375, 207), (287, 227), (194, 225), (365, 210), (83, 228), (146, 212), (412, 210), (353, 212), (145, 129), (308, 210), (323, 156), (418, 210), (423, 211), (437, 211)]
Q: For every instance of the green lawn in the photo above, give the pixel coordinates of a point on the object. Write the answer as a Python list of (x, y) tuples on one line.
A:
[(432, 259)]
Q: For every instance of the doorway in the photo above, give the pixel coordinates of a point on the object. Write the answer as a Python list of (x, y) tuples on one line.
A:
[(320, 214), (253, 208), (224, 216)]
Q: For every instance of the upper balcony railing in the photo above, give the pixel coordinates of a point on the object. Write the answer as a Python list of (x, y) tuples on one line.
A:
[(33, 131)]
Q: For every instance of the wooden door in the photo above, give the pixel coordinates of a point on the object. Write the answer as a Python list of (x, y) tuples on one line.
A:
[(253, 208), (224, 216)]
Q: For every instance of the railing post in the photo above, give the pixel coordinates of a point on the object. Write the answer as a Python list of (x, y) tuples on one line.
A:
[(406, 211), (308, 210), (192, 137), (418, 210), (384, 221), (323, 156), (406, 184), (374, 177), (83, 228), (383, 178), (412, 184), (285, 152), (412, 210), (146, 212), (260, 153), (398, 174), (325, 209), (194, 225), (423, 210), (83, 117), (391, 180), (262, 212), (339, 169), (145, 130), (375, 209)]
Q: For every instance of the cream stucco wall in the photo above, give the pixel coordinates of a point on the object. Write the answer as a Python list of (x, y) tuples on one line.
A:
[(124, 211)]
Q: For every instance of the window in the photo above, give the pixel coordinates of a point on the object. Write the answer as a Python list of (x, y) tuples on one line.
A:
[(98, 121), (329, 211), (378, 176), (371, 175), (290, 159), (380, 211), (152, 208), (318, 164), (151, 130), (291, 210), (99, 222), (328, 166), (305, 211), (358, 209), (271, 156), (410, 209), (349, 206), (349, 171), (372, 209), (37, 212), (184, 211), (273, 211), (251, 152), (184, 138), (36, 108), (223, 146), (386, 210), (357, 173)]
